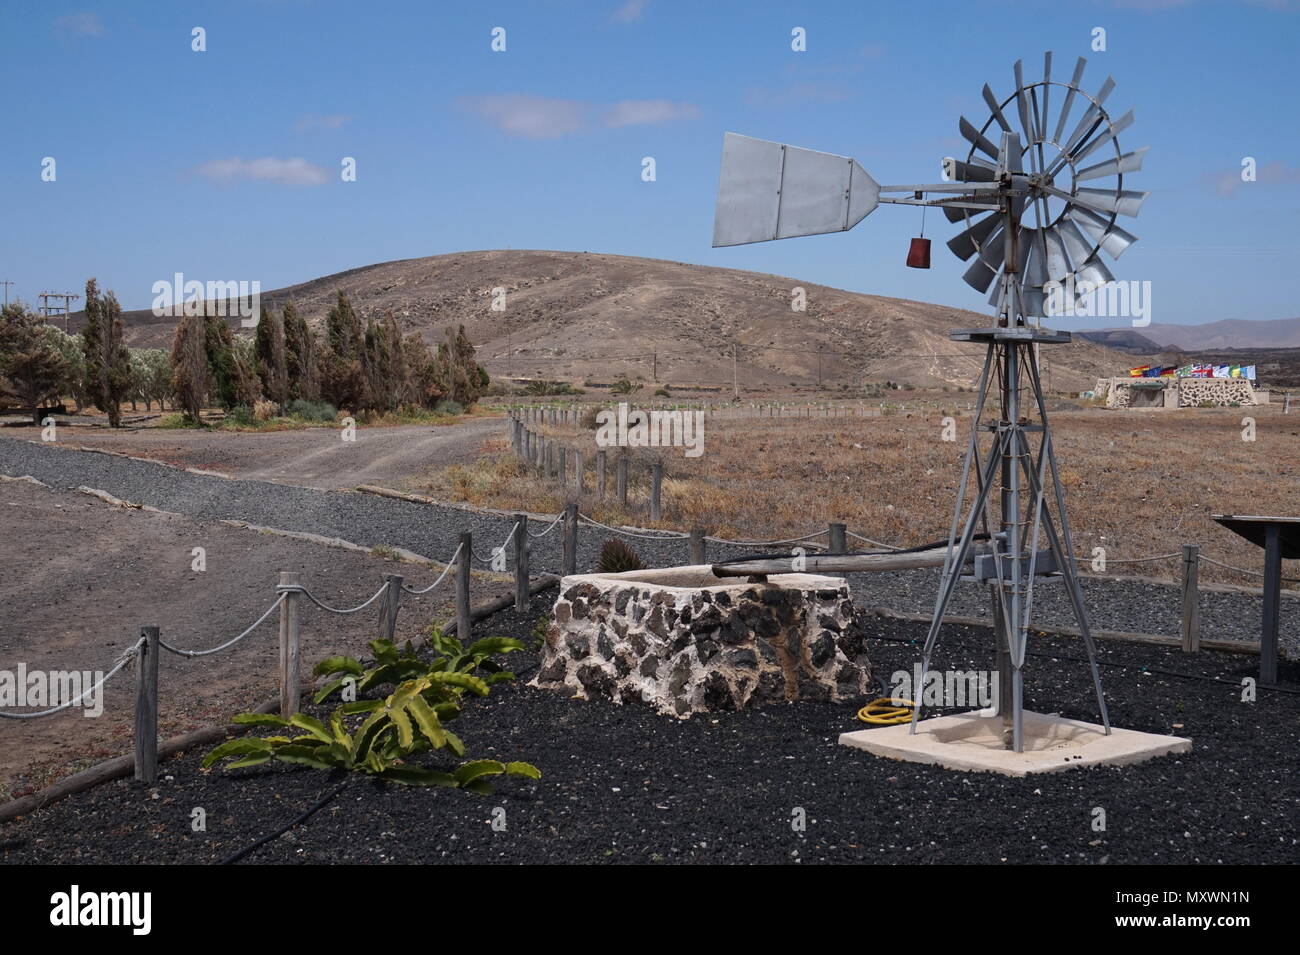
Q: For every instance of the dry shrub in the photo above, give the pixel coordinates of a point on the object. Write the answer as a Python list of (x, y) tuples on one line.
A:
[(263, 410)]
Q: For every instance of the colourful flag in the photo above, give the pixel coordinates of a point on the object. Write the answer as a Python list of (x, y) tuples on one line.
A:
[(1138, 371)]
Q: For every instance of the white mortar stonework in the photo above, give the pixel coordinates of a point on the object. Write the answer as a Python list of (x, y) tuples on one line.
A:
[(684, 641), (1180, 392)]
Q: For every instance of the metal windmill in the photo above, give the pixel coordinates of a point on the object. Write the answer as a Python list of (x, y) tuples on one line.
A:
[(1036, 237)]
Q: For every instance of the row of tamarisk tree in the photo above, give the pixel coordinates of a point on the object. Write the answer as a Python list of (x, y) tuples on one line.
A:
[(361, 366)]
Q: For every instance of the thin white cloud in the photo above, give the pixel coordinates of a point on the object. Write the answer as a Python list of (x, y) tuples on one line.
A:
[(533, 117), (79, 24), (285, 172), (631, 10), (1270, 174), (762, 96), (328, 121), (642, 112), (541, 117)]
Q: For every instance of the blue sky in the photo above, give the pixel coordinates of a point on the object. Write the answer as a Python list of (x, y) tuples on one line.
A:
[(225, 164)]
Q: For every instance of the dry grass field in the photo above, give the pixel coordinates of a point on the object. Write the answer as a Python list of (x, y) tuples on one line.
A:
[(1137, 483)]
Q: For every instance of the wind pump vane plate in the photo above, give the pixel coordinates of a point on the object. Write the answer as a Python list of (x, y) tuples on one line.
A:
[(771, 191)]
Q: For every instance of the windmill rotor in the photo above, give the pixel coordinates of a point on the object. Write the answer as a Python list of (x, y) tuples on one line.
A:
[(1061, 226)]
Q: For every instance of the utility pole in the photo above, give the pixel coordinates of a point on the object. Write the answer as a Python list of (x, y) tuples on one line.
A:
[(64, 308), (654, 366), (6, 283), (819, 367), (735, 375)]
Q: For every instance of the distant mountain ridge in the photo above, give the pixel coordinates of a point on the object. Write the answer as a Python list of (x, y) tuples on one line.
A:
[(581, 316), (1228, 333)]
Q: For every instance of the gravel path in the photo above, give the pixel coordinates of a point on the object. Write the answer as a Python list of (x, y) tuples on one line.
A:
[(621, 784), (308, 457), (1114, 603)]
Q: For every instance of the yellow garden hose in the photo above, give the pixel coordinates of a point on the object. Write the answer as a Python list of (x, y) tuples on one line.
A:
[(886, 711)]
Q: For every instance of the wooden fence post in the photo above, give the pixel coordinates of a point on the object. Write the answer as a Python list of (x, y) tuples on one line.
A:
[(570, 528), (528, 446), (462, 587), (579, 475), (290, 684), (390, 606), (621, 481), (521, 562), (563, 465), (656, 485), (837, 539), (1191, 622), (600, 473), (697, 546), (146, 706)]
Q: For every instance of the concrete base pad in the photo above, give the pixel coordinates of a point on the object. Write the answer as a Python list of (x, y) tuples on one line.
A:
[(971, 742)]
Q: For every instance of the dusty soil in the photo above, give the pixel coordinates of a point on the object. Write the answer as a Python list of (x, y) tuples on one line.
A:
[(309, 457), (582, 316), (79, 577), (1137, 484)]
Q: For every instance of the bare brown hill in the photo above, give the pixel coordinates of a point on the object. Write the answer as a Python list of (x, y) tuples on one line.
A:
[(581, 316)]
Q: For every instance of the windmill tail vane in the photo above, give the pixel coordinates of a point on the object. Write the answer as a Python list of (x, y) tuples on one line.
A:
[(1034, 237)]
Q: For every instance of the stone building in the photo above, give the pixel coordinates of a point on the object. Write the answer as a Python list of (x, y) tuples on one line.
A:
[(1179, 392)]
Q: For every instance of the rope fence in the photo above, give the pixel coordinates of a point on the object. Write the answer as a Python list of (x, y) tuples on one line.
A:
[(122, 661), (229, 643), (289, 592)]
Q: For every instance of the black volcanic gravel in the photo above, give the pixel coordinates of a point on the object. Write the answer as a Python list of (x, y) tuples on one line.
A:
[(622, 784)]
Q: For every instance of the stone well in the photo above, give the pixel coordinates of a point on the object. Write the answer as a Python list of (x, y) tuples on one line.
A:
[(685, 641)]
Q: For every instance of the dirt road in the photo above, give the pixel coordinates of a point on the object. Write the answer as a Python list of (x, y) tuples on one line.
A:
[(311, 457), (79, 577)]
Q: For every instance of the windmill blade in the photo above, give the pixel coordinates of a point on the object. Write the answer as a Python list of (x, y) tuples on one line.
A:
[(1126, 202), (995, 108), (1058, 262), (1094, 272), (1069, 98), (771, 191), (1092, 116), (1129, 162), (1077, 246), (1047, 90), (980, 275), (1022, 103), (957, 213), (1033, 270), (965, 244), (985, 267), (976, 138), (1010, 154), (1110, 237), (1117, 127), (970, 172)]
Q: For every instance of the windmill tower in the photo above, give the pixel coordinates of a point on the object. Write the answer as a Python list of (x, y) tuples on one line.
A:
[(1034, 237)]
